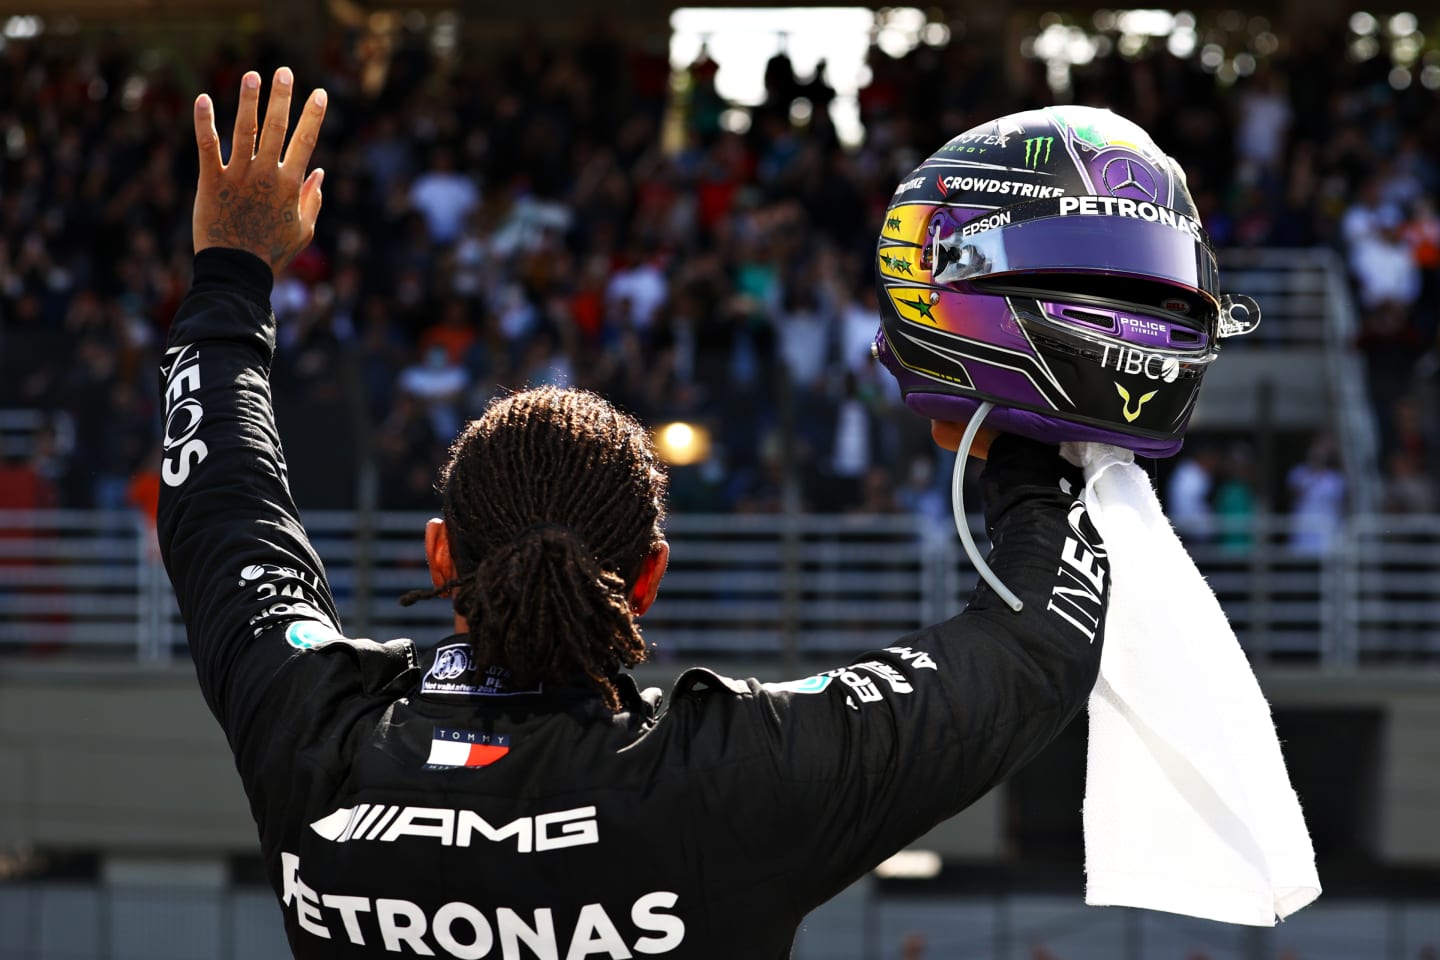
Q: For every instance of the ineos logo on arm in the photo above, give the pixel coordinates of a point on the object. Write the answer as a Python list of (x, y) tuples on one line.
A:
[(183, 415)]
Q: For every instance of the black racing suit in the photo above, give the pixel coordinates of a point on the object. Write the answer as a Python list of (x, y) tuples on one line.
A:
[(421, 807)]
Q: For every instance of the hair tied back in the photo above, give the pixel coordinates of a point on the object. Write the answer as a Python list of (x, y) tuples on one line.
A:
[(538, 530)]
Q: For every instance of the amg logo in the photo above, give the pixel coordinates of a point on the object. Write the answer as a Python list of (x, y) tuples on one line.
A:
[(458, 828)]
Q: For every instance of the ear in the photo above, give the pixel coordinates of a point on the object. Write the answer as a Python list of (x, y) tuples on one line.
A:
[(437, 552), (647, 581)]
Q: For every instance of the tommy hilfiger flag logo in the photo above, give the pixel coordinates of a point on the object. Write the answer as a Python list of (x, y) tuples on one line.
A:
[(450, 747)]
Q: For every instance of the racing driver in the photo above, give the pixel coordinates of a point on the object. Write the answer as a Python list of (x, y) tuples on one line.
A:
[(512, 793)]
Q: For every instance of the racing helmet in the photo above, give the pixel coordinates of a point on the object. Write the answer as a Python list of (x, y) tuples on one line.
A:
[(1052, 262)]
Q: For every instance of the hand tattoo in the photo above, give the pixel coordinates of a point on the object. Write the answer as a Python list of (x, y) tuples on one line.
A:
[(253, 217)]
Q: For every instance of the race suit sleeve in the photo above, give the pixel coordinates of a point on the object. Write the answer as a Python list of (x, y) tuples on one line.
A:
[(858, 762), (229, 532)]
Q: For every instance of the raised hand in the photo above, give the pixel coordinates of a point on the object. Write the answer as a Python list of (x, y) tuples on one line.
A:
[(259, 202)]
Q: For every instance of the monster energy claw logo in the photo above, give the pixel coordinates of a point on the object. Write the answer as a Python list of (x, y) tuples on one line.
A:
[(1037, 151)]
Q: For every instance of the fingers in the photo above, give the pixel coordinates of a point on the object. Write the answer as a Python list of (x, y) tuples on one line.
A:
[(307, 134), (247, 125), (206, 139), (310, 197), (277, 119)]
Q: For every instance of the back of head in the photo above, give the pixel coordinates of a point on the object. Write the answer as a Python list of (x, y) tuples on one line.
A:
[(552, 501)]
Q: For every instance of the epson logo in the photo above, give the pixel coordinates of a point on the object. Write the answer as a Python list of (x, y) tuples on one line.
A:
[(459, 828), (1152, 366), (989, 222)]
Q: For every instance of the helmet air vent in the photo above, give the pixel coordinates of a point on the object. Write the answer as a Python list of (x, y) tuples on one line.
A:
[(1100, 320)]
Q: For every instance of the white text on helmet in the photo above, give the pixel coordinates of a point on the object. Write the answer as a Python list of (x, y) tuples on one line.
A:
[(1007, 188), (999, 219), (1153, 366), (1137, 209)]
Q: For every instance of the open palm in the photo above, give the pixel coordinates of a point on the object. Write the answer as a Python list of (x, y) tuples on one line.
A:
[(259, 202)]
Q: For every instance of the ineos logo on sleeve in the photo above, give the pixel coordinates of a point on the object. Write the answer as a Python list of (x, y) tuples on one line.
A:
[(183, 415), (182, 421), (1079, 591)]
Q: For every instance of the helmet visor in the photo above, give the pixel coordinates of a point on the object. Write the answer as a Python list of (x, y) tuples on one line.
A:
[(1092, 235)]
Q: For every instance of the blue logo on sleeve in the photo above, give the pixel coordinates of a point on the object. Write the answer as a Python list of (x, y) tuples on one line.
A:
[(309, 634)]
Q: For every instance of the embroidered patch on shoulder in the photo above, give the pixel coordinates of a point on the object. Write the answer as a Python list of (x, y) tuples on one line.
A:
[(452, 747)]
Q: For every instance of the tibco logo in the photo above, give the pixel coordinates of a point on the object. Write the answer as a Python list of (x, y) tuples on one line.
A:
[(1153, 366)]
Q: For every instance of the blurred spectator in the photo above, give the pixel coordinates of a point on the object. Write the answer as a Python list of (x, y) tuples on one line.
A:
[(1235, 500), (1189, 493), (925, 492), (24, 486), (1384, 266), (1264, 127), (1408, 486), (439, 384), (444, 196), (1317, 498)]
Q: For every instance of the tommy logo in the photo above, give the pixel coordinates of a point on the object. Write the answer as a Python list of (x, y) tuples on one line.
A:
[(465, 748), (1131, 417)]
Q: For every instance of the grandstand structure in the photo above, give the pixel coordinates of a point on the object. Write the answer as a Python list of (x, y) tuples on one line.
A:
[(124, 832)]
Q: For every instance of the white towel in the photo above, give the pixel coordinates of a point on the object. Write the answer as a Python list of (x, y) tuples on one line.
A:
[(1188, 806)]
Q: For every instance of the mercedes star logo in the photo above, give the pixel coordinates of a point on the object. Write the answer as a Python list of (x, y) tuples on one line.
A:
[(1123, 174)]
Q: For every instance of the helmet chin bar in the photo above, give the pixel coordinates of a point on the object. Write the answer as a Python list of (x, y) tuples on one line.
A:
[(957, 500), (1239, 315)]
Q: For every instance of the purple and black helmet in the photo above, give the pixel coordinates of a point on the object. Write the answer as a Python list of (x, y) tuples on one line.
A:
[(1052, 262)]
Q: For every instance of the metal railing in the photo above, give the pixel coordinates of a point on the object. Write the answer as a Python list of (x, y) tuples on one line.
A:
[(1305, 301), (54, 920), (751, 586)]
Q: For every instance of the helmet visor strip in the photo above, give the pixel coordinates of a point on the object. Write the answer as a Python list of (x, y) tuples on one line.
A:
[(1137, 241)]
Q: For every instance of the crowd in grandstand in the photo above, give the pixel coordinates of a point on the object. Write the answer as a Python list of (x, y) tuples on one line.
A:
[(532, 219)]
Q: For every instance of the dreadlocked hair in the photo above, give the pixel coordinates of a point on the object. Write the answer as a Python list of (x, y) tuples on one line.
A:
[(552, 499)]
